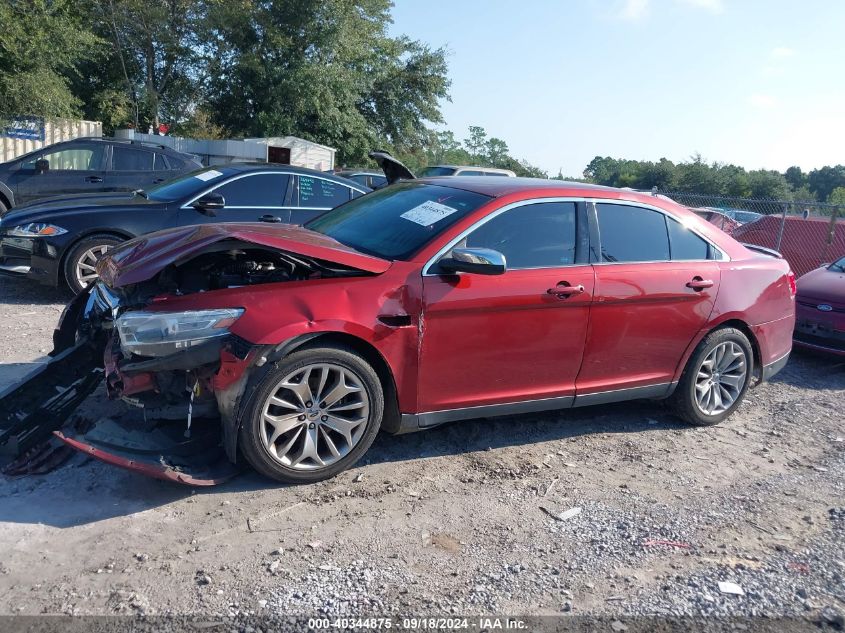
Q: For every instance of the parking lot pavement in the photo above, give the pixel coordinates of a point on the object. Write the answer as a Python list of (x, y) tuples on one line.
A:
[(462, 519)]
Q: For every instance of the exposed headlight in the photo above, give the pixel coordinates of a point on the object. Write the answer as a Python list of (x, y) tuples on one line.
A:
[(36, 229), (163, 333)]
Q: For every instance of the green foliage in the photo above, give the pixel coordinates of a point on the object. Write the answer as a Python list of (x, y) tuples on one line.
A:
[(326, 71), (42, 42), (837, 196), (700, 177)]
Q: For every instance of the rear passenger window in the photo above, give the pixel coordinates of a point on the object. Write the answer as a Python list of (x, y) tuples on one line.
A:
[(160, 163), (538, 235), (684, 243), (320, 193), (632, 234), (127, 159)]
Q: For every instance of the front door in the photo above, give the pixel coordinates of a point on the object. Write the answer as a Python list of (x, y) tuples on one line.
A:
[(656, 283), (260, 197), (71, 170), (512, 337)]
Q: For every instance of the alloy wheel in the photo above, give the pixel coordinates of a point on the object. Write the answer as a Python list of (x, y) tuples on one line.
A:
[(721, 378), (315, 416), (86, 266)]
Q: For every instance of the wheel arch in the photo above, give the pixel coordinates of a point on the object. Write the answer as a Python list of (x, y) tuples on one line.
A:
[(6, 196), (367, 351), (728, 322), (122, 235)]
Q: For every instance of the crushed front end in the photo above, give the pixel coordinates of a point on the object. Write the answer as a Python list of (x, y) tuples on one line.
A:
[(158, 339)]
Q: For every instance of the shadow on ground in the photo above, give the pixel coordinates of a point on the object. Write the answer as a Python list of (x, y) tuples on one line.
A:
[(84, 491), (14, 291)]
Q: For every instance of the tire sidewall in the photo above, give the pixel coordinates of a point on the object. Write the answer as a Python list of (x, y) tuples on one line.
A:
[(710, 342), (251, 443), (77, 250)]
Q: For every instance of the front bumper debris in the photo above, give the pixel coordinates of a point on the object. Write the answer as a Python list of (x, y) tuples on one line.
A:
[(40, 403), (159, 449)]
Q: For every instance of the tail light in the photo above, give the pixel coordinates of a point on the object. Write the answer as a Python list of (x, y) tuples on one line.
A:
[(793, 288)]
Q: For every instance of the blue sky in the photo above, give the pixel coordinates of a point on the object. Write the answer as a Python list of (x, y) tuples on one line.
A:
[(757, 83)]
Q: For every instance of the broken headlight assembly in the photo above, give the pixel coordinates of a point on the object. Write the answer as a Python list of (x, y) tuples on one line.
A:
[(164, 333)]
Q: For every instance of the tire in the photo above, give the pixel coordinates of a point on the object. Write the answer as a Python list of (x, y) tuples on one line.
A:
[(3, 208), (81, 255), (284, 452), (707, 365)]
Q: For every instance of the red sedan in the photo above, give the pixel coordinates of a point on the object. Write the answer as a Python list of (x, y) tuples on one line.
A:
[(820, 310), (426, 302)]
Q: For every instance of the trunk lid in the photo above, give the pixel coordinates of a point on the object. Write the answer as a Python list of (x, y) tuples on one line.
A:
[(142, 258)]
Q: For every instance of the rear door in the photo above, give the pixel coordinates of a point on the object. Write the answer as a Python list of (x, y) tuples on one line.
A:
[(511, 337), (314, 196), (259, 197), (76, 168), (656, 282), (131, 167)]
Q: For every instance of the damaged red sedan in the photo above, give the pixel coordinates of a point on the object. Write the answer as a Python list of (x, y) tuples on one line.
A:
[(428, 301)]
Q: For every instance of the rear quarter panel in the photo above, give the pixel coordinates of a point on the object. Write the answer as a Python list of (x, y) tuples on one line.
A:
[(755, 290)]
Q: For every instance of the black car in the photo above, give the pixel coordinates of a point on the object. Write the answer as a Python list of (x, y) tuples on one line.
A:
[(366, 177), (62, 238), (89, 165)]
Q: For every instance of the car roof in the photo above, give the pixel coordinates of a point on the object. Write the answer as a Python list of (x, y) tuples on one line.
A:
[(231, 168), (498, 187), (164, 149)]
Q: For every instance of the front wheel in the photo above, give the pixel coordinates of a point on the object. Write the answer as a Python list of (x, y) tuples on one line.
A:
[(81, 262), (715, 379), (313, 415)]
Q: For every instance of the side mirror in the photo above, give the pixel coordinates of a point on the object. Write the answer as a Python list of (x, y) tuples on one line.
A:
[(480, 261), (209, 204), (42, 166)]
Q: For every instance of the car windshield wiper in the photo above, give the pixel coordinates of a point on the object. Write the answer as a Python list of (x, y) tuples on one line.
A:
[(142, 193)]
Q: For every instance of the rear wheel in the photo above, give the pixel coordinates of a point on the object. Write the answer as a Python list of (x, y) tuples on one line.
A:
[(81, 262), (715, 379), (312, 416), (3, 207)]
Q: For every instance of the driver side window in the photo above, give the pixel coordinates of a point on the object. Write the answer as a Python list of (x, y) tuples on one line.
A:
[(539, 235)]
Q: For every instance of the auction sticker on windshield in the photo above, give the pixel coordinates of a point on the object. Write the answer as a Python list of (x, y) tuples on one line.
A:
[(208, 175), (428, 213)]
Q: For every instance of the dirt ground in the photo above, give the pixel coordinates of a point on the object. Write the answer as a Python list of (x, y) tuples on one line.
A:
[(463, 519)]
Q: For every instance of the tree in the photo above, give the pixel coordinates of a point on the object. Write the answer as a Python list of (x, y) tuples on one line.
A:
[(41, 46), (823, 181), (795, 177), (837, 196), (155, 71), (476, 142), (327, 71)]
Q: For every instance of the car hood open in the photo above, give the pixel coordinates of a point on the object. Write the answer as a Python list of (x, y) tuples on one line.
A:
[(142, 258)]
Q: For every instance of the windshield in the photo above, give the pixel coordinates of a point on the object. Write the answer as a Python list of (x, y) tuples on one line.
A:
[(184, 185), (437, 171), (396, 222), (838, 266)]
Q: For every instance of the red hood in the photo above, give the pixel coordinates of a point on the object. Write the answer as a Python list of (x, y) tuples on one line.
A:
[(823, 285), (142, 258)]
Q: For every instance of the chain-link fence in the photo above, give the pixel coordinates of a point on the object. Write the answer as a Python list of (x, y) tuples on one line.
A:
[(808, 234)]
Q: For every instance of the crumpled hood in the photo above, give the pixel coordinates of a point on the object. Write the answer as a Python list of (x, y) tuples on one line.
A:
[(822, 285), (142, 258)]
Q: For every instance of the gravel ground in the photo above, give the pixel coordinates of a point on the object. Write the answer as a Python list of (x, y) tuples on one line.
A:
[(462, 520)]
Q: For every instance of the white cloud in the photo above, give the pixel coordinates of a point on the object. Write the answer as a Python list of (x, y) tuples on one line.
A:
[(714, 6), (762, 101), (633, 9), (782, 52)]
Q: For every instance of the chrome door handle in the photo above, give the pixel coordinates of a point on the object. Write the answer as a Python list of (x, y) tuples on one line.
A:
[(563, 290), (698, 283)]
